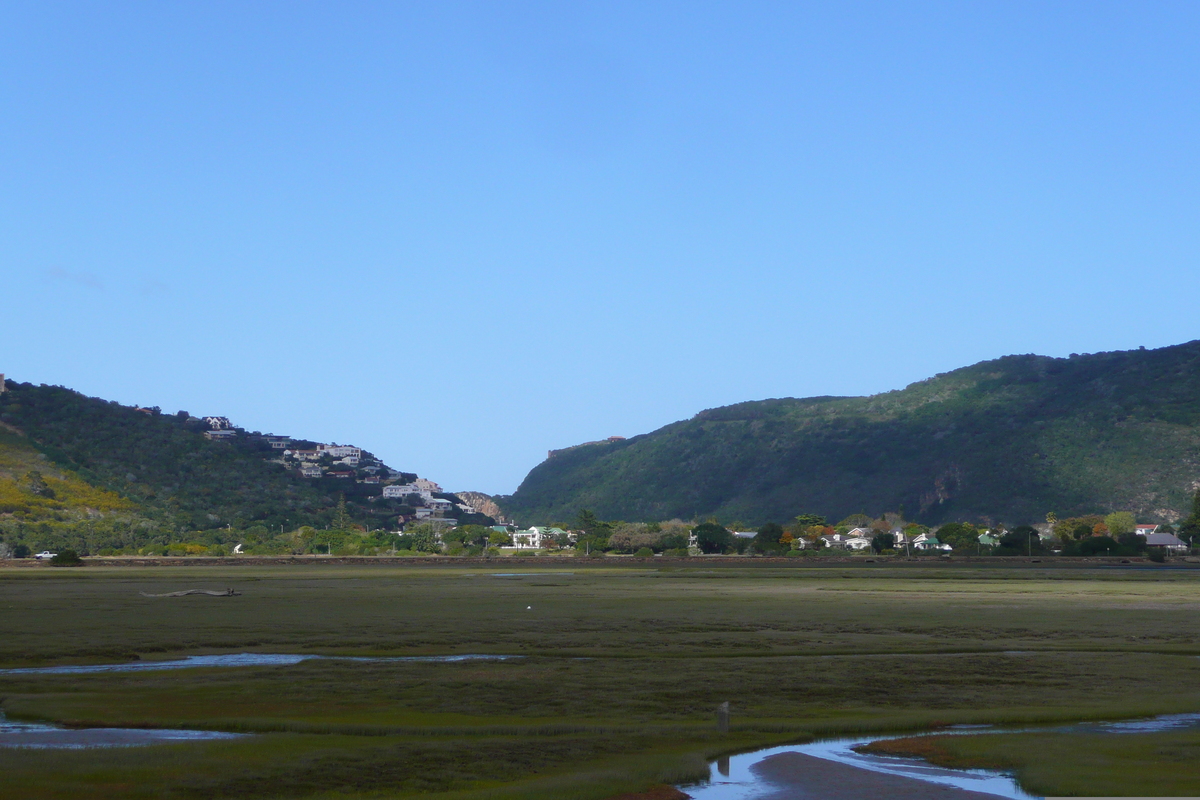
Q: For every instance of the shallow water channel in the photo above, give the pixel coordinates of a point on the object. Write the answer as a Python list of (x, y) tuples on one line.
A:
[(236, 660), (734, 778), (40, 736)]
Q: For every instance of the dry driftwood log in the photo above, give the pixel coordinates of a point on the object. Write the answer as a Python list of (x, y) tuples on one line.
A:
[(226, 593)]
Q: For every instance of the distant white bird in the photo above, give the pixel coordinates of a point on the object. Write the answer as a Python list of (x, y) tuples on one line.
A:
[(527, 608)]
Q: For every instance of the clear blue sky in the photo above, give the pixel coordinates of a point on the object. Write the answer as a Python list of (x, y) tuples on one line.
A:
[(459, 235)]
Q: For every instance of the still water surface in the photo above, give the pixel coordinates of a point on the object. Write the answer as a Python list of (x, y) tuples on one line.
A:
[(39, 736), (234, 660)]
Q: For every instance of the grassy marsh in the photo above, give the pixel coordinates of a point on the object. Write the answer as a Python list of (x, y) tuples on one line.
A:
[(621, 668)]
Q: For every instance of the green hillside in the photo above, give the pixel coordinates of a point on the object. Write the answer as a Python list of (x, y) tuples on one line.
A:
[(91, 474), (1008, 440)]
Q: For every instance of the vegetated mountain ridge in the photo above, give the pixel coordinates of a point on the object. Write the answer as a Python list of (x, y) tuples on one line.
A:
[(123, 475), (1005, 440)]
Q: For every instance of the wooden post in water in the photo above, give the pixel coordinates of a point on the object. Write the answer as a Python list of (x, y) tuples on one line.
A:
[(723, 717)]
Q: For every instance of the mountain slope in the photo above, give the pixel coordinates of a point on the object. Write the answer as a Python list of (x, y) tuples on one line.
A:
[(161, 468), (1008, 439)]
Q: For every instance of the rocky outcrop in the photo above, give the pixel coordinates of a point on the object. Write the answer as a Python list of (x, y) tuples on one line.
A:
[(481, 502)]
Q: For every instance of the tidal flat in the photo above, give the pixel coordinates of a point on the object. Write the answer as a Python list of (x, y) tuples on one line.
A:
[(621, 670)]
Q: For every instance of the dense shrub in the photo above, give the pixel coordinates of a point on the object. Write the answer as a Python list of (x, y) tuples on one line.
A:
[(66, 558)]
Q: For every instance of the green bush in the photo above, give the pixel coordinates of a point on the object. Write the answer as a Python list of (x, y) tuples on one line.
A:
[(796, 553), (66, 558), (678, 552), (1156, 555), (644, 552)]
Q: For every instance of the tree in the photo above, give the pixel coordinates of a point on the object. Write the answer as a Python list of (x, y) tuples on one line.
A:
[(341, 519), (1098, 545), (767, 538), (712, 538), (596, 530), (422, 538), (1020, 541), (882, 541), (66, 558), (1120, 522), (959, 535), (1190, 527)]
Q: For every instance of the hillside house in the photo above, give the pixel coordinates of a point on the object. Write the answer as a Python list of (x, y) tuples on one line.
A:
[(1146, 530), (341, 473), (223, 434), (310, 471), (340, 451), (401, 490)]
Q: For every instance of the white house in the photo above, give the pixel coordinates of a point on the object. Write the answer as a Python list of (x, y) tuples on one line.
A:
[(310, 471), (340, 450), (405, 489), (857, 543), (927, 541), (1146, 530), (535, 538)]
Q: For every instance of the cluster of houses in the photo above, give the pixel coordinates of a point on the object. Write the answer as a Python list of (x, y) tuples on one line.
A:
[(861, 538), (347, 462)]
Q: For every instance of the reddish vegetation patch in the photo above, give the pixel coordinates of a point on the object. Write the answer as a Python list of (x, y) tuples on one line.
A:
[(929, 748), (663, 792), (926, 747)]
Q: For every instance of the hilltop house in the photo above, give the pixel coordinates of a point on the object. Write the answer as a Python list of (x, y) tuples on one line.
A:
[(340, 451)]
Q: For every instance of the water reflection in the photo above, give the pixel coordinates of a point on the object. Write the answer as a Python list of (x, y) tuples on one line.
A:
[(236, 660), (39, 736)]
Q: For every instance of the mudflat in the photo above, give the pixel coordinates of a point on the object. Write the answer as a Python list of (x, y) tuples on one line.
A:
[(802, 777)]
